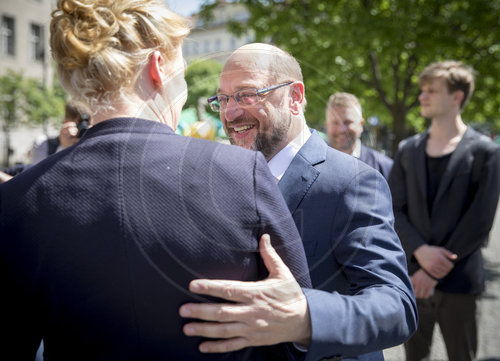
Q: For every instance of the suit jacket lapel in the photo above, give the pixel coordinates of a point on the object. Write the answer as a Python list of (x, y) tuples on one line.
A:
[(301, 173), (421, 167), (454, 164)]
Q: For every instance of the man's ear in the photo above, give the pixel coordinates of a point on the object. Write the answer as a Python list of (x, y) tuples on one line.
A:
[(458, 96), (156, 69), (297, 97)]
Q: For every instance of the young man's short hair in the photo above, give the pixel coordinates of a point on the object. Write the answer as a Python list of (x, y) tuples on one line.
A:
[(456, 75)]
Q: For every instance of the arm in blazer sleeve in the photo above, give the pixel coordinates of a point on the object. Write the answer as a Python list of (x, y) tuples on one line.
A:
[(473, 229), (408, 234), (276, 220), (379, 310)]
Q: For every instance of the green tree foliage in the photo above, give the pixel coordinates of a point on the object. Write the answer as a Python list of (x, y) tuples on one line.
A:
[(26, 100), (202, 78), (376, 49), (43, 103)]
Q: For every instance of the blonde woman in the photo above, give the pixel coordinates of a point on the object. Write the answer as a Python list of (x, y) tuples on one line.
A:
[(98, 243)]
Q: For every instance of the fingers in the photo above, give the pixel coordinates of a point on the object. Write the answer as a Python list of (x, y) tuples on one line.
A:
[(221, 312), (442, 263), (69, 128), (423, 292), (442, 268), (244, 292), (68, 134), (450, 255), (235, 291), (214, 330), (275, 265), (423, 285), (233, 344)]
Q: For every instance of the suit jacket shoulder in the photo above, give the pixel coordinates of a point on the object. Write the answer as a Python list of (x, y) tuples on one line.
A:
[(412, 142), (482, 142), (377, 160), (342, 208)]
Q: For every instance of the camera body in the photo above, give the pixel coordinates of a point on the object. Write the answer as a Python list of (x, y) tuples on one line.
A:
[(83, 125)]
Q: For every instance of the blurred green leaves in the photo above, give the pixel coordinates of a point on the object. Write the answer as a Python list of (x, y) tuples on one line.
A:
[(26, 100), (202, 78), (376, 49)]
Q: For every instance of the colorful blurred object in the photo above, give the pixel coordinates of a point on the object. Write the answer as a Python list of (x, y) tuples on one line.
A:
[(209, 127), (203, 130)]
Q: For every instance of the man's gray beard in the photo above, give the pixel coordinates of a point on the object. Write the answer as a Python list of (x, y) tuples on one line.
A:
[(270, 145)]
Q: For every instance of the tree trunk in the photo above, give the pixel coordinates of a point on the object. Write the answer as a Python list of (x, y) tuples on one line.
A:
[(398, 126), (7, 150)]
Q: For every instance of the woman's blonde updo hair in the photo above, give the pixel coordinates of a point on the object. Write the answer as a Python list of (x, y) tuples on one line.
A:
[(101, 45)]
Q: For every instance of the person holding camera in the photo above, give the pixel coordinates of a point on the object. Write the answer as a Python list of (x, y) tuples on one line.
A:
[(76, 122)]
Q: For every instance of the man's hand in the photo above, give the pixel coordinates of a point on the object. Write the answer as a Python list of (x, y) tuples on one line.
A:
[(437, 261), (68, 134), (264, 313), (423, 285)]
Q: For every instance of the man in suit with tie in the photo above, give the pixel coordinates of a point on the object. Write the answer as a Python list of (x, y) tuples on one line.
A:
[(344, 126), (362, 301), (445, 185)]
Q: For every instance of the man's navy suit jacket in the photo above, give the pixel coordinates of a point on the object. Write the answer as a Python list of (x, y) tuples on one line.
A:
[(99, 242), (362, 299), (463, 210), (376, 160)]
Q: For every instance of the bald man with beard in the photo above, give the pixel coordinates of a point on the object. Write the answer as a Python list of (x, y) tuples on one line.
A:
[(362, 300)]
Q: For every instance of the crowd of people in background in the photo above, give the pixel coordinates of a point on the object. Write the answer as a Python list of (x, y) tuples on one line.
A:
[(122, 240)]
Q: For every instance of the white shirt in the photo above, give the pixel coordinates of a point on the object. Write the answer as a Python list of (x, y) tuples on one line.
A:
[(280, 162), (356, 152)]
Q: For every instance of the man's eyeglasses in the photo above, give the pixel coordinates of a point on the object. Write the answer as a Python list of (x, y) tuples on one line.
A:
[(244, 97)]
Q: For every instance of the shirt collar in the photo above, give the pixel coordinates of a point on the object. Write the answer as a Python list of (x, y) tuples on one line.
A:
[(280, 162), (357, 149)]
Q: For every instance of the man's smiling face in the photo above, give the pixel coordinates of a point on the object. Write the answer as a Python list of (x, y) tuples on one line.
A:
[(263, 126)]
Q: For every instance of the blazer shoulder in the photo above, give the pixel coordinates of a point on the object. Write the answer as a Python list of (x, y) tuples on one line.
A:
[(483, 142), (412, 142), (379, 156), (344, 166), (482, 147)]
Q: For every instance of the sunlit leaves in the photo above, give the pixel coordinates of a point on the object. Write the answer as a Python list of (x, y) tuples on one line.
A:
[(333, 41)]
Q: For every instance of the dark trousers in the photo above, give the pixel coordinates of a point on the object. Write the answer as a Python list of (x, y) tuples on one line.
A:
[(457, 315)]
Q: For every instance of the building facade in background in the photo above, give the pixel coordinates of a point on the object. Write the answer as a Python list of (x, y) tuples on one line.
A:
[(24, 38), (24, 48), (213, 40)]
